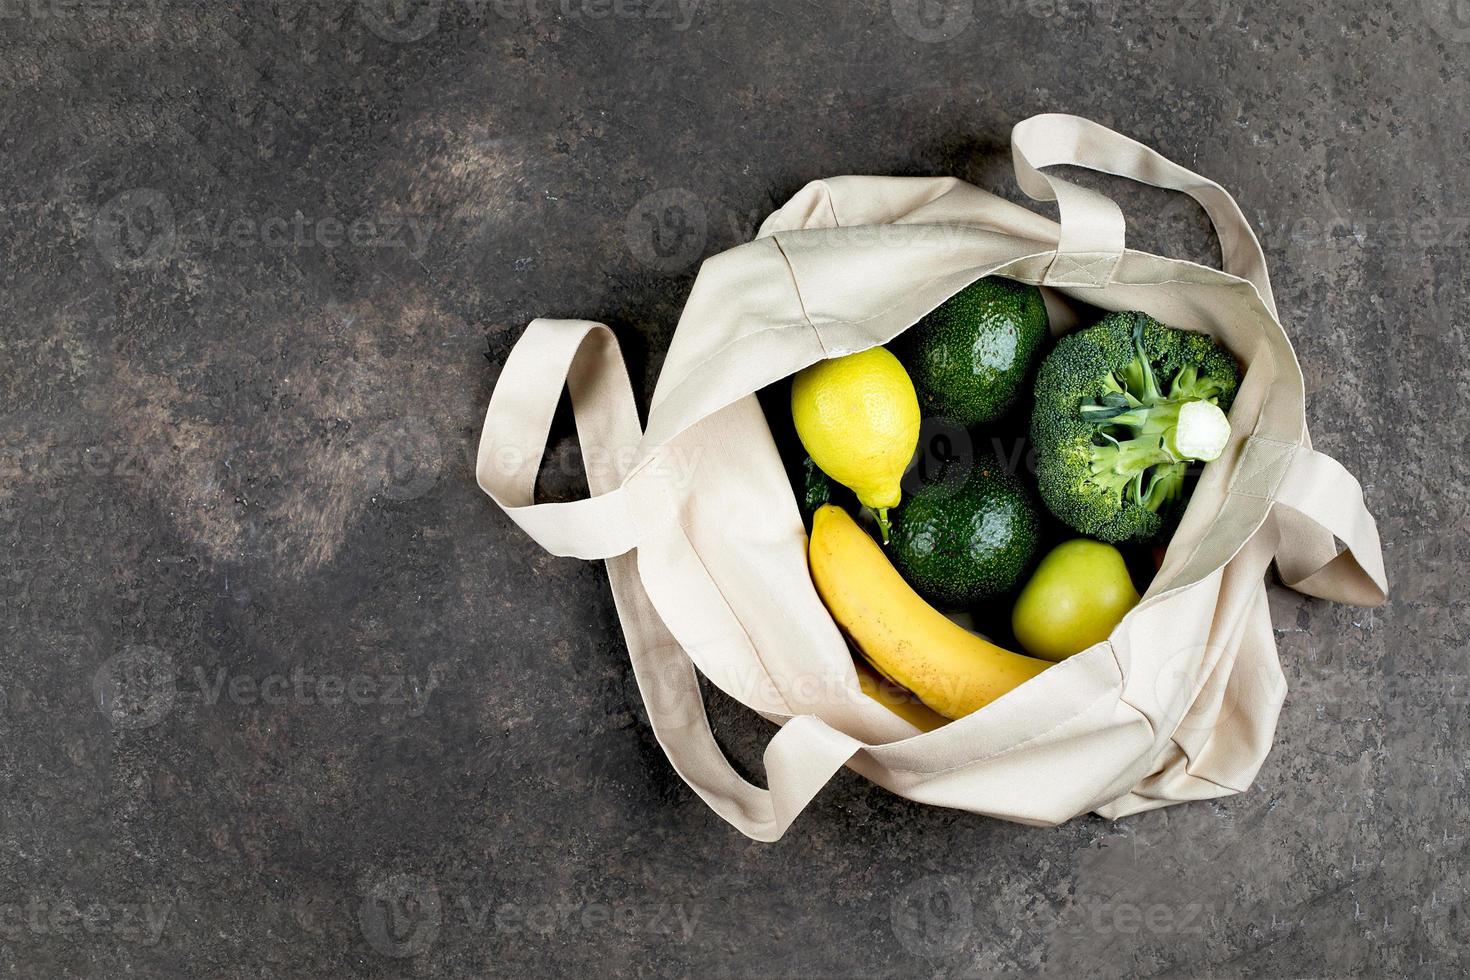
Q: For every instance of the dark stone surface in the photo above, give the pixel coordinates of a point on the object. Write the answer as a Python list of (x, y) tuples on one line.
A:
[(202, 382)]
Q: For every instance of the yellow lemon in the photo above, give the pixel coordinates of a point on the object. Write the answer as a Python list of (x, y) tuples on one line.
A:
[(858, 417)]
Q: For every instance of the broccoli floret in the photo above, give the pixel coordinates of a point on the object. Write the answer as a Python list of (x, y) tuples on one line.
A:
[(1122, 410)]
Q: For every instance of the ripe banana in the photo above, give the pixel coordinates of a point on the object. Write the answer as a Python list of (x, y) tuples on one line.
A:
[(907, 640), (896, 699)]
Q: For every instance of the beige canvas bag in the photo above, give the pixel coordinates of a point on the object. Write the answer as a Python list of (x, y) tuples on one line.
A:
[(706, 550)]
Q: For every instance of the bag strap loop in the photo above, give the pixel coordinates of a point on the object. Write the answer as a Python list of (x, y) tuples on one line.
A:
[(1093, 234), (1093, 230), (799, 760), (1325, 501), (585, 357), (1320, 503)]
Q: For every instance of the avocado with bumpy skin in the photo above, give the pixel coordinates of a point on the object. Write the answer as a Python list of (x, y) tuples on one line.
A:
[(960, 541), (971, 357)]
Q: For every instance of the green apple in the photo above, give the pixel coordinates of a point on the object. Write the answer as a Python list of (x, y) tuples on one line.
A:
[(1078, 594)]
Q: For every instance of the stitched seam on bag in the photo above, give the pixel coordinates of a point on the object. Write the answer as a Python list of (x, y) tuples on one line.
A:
[(1251, 469), (796, 288), (720, 353), (1076, 263), (924, 285), (1268, 305), (889, 309), (927, 282), (1085, 270)]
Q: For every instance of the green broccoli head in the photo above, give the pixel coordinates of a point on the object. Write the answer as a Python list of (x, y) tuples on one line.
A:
[(1122, 410)]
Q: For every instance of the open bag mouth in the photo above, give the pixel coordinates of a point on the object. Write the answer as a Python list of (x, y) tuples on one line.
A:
[(1009, 442)]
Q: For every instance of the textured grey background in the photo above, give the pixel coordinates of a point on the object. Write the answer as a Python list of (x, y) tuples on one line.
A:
[(236, 443)]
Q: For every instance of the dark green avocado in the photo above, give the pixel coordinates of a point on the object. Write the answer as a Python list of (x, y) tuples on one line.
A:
[(970, 358), (960, 541), (816, 488)]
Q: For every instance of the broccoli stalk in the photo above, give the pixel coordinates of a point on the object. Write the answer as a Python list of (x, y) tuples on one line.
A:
[(1120, 416), (1182, 429), (1147, 436)]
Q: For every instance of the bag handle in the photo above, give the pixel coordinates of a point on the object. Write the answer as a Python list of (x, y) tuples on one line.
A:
[(1094, 234), (1326, 501), (1319, 501), (584, 356), (799, 760)]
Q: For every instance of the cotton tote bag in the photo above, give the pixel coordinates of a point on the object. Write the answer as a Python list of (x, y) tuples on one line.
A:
[(706, 550)]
